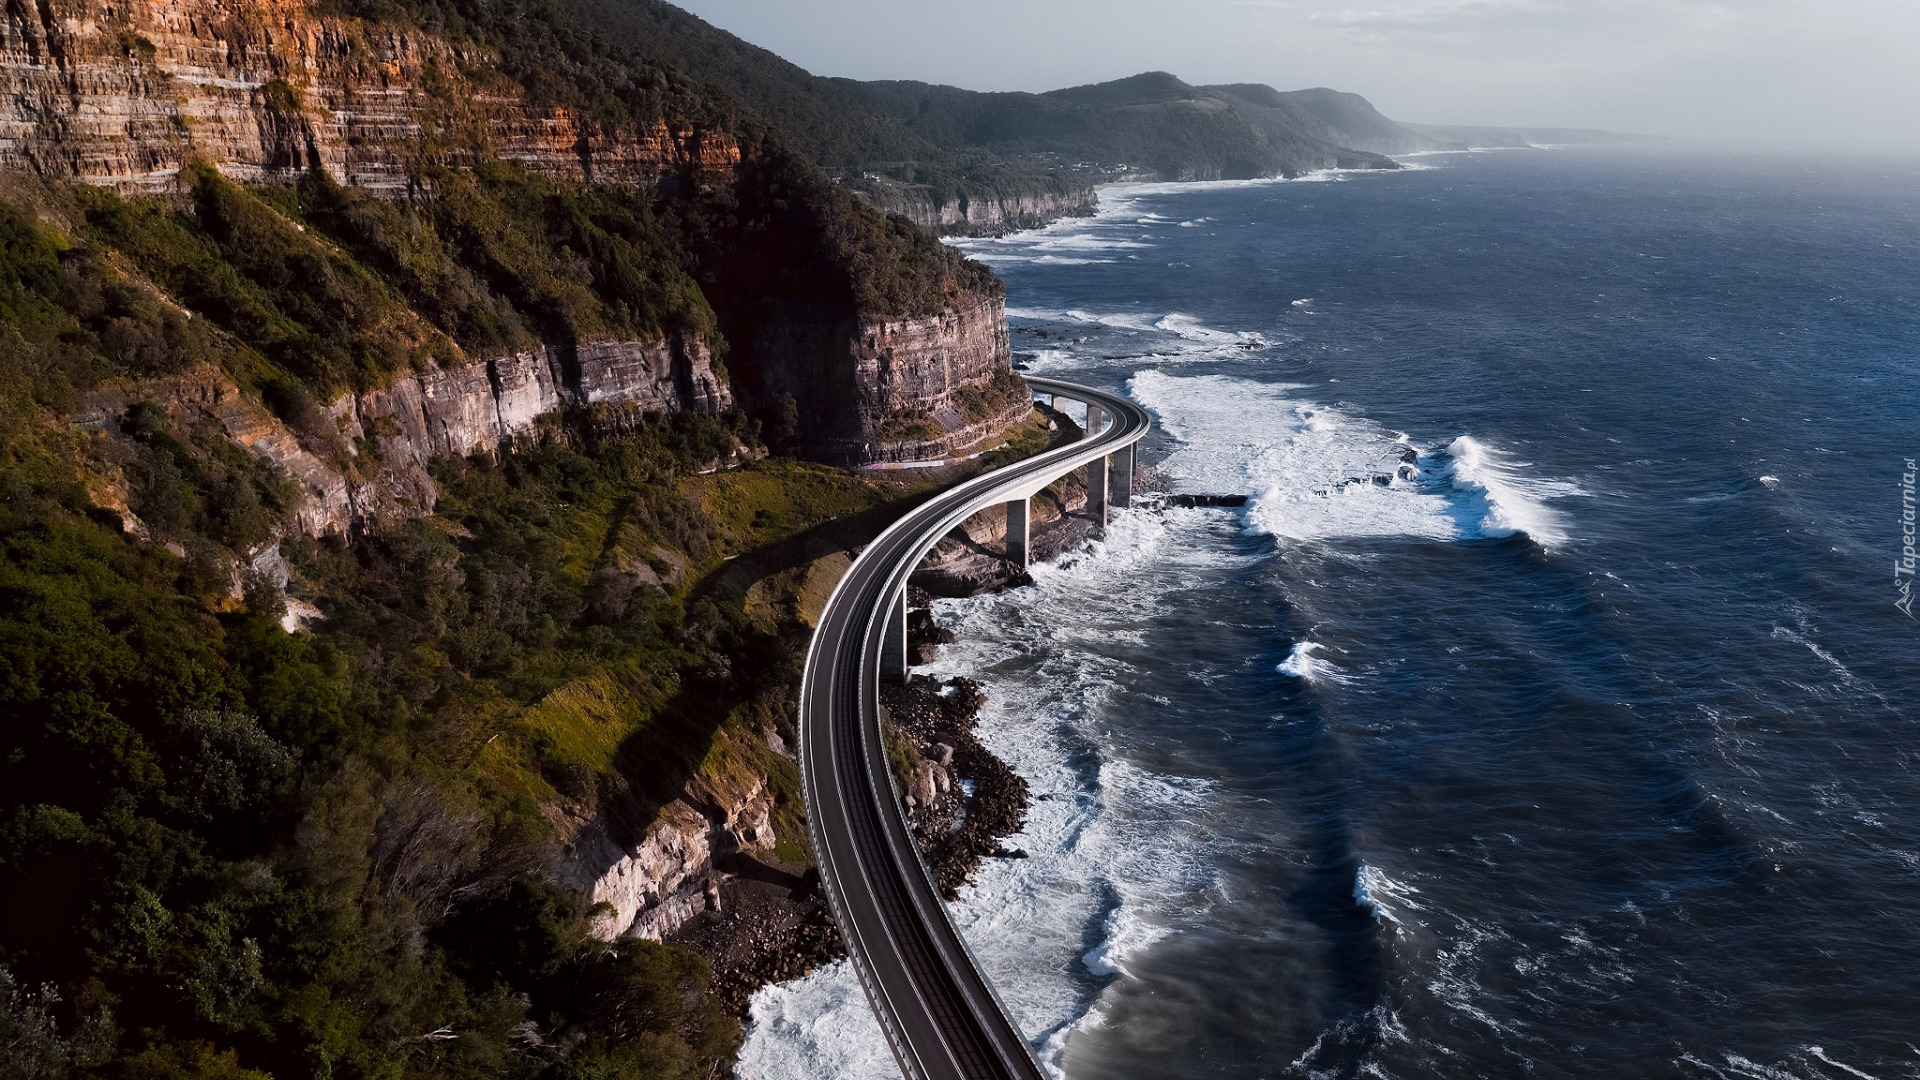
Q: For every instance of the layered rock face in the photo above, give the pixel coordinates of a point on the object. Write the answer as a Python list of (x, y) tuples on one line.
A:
[(918, 386), (652, 883), (481, 408), (122, 92), (990, 215)]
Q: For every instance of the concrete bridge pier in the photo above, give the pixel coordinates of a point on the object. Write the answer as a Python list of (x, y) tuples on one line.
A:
[(893, 643), (1123, 476), (1019, 531), (1097, 491), (1096, 419)]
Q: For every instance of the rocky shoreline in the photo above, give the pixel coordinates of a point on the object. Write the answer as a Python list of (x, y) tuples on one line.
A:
[(961, 800), (769, 921)]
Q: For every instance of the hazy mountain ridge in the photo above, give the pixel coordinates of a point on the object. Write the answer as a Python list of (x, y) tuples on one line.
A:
[(942, 189), (1150, 126)]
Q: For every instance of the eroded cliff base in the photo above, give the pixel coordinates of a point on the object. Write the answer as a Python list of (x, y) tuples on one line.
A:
[(772, 925)]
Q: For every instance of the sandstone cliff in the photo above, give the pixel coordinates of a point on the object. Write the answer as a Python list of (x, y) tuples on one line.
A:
[(921, 389), (372, 467), (123, 92), (647, 885), (984, 213)]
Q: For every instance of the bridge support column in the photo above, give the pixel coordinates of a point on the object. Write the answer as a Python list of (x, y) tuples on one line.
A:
[(1095, 416), (1018, 531), (1123, 476), (893, 643), (1097, 491)]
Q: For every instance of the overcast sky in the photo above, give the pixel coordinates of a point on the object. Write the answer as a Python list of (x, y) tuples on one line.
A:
[(1839, 72)]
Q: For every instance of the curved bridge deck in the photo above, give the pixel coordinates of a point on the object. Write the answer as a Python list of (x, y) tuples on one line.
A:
[(940, 1015)]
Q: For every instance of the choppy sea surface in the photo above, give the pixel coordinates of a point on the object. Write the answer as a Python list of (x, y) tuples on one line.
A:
[(1546, 713)]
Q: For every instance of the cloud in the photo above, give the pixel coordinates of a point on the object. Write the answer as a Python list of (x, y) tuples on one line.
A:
[(1446, 18)]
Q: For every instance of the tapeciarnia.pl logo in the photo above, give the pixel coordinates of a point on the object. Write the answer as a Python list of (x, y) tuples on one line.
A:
[(1903, 567)]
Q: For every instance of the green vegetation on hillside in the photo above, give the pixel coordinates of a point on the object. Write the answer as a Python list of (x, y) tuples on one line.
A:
[(306, 292), (1150, 125), (229, 851), (817, 117), (226, 848)]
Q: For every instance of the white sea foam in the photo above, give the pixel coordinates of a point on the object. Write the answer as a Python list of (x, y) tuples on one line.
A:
[(1807, 1063), (1119, 320), (1303, 665), (814, 1027), (1163, 339), (1514, 501), (1118, 855), (1375, 891), (1316, 472), (1050, 360), (1126, 936), (1119, 209), (1294, 457), (1188, 328)]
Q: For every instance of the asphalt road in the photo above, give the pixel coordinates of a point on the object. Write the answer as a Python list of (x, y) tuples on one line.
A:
[(939, 1013)]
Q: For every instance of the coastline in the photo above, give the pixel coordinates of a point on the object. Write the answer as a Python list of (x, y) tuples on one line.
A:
[(770, 923)]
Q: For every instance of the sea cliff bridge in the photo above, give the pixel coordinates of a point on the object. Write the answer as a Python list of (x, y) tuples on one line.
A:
[(940, 1015)]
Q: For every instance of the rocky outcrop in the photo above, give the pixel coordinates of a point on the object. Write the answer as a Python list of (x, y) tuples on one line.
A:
[(979, 214), (366, 459), (123, 92), (916, 390), (956, 823), (648, 886)]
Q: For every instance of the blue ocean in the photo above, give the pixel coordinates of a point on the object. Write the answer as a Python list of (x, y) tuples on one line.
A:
[(1549, 710)]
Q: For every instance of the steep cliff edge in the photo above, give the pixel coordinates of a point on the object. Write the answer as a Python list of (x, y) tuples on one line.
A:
[(376, 471), (977, 210), (125, 92), (130, 97), (926, 388)]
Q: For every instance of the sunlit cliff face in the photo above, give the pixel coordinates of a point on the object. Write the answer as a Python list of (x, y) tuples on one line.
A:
[(123, 92)]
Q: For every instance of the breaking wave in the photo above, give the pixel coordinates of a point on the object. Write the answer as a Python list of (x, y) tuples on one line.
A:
[(1509, 500), (1303, 665), (1316, 472)]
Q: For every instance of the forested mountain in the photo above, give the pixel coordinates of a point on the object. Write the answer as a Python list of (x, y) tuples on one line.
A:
[(1146, 127), (951, 189)]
